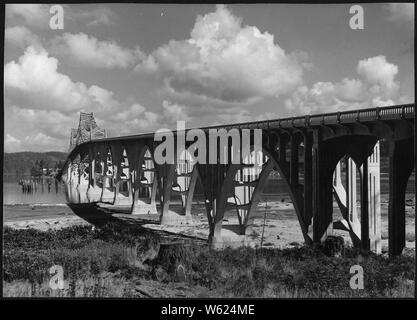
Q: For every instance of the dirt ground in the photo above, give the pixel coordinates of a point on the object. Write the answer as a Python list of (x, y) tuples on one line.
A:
[(280, 230)]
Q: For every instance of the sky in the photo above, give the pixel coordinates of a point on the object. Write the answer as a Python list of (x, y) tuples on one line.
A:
[(143, 67)]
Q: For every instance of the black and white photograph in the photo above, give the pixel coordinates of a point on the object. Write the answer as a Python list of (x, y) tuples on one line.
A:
[(204, 151)]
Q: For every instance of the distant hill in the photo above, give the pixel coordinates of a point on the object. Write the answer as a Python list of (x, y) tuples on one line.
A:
[(20, 163)]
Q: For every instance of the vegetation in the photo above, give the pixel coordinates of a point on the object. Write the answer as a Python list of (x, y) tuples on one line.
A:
[(21, 163), (110, 261)]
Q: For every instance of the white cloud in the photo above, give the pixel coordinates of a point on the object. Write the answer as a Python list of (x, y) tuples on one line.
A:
[(400, 12), (11, 144), (350, 89), (34, 15), (224, 63), (35, 80), (45, 102), (21, 37), (377, 71), (89, 51), (376, 87)]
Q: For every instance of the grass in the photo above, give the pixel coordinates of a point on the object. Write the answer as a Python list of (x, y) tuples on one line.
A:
[(108, 262)]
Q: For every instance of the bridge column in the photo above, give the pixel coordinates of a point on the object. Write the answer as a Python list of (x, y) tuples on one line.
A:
[(168, 216), (351, 198), (401, 164), (322, 192), (364, 186), (84, 178), (362, 154), (374, 200), (73, 194), (308, 184), (93, 192), (225, 236), (118, 161), (145, 179), (107, 195), (117, 178)]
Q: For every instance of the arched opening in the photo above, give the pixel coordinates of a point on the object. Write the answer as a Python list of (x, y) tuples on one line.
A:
[(346, 201), (183, 184), (145, 184), (147, 176), (125, 179), (108, 183), (72, 193)]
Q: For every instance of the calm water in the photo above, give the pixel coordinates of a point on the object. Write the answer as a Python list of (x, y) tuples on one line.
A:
[(12, 194)]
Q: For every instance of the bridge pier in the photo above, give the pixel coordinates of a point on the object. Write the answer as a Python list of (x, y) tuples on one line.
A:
[(168, 215), (107, 194), (145, 181), (401, 164), (322, 189), (94, 191)]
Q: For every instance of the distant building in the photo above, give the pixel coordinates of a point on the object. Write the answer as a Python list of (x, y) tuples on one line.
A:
[(87, 130)]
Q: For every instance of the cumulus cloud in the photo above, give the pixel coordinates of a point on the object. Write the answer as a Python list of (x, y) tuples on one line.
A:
[(224, 62), (40, 99), (375, 87), (35, 77), (89, 51), (21, 37), (400, 12), (11, 143), (378, 72)]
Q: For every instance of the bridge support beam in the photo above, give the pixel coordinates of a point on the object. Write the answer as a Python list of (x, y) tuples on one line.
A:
[(140, 160), (322, 192), (374, 200), (401, 164), (308, 184), (169, 216), (107, 195), (93, 192)]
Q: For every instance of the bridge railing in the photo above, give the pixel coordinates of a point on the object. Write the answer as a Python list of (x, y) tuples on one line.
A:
[(405, 111)]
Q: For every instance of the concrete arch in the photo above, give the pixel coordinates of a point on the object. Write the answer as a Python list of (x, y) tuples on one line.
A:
[(293, 191), (176, 179), (145, 181), (123, 186), (95, 172), (227, 184), (107, 194)]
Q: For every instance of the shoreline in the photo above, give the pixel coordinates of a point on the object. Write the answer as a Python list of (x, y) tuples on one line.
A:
[(281, 229)]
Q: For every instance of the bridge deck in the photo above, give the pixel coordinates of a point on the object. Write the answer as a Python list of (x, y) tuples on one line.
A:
[(398, 112)]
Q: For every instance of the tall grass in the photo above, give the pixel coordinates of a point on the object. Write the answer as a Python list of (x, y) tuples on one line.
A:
[(108, 262)]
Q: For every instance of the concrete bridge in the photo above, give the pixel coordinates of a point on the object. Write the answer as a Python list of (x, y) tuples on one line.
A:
[(317, 156)]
